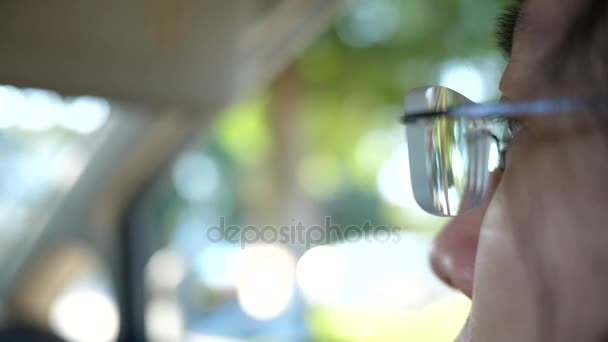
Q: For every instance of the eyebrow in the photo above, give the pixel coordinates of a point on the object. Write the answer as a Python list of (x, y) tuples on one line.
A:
[(506, 25)]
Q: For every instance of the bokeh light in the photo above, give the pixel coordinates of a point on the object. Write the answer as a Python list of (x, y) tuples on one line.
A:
[(266, 279), (85, 114), (39, 110), (84, 314), (164, 320), (196, 177), (165, 270), (394, 182), (217, 265), (369, 22), (320, 274), (465, 78)]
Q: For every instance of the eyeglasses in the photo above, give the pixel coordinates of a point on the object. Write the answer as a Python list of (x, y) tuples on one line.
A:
[(455, 145)]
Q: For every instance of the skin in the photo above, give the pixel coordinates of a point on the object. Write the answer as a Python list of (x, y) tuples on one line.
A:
[(534, 257)]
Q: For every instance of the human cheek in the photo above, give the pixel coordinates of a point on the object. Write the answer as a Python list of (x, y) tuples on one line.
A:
[(502, 296)]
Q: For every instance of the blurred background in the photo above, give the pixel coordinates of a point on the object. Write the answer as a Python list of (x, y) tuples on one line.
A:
[(320, 142)]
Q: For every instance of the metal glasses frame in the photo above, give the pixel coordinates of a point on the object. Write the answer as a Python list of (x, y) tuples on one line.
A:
[(512, 109)]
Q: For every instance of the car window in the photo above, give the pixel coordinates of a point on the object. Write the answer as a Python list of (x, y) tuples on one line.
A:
[(291, 216), (45, 142), (229, 263)]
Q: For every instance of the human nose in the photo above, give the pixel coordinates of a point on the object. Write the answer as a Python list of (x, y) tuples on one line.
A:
[(455, 247)]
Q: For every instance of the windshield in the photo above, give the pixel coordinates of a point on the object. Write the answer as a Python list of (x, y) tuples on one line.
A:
[(291, 217), (45, 142)]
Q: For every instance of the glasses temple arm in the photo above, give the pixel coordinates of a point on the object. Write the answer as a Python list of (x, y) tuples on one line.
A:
[(511, 109)]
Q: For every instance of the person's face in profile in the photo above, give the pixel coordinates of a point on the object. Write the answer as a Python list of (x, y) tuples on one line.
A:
[(534, 259)]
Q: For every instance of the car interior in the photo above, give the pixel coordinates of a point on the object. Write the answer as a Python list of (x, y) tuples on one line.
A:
[(131, 130)]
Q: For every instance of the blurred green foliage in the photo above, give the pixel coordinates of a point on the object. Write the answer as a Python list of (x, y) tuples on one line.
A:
[(439, 322), (353, 80), (349, 87), (351, 83)]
